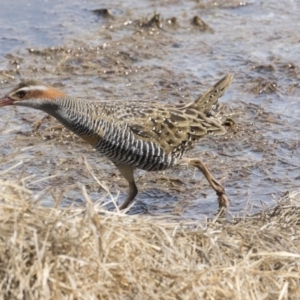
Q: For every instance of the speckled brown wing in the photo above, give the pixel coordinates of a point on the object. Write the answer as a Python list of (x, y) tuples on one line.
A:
[(176, 128), (173, 129), (162, 126)]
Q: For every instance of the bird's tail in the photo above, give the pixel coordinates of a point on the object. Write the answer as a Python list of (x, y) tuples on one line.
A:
[(208, 101)]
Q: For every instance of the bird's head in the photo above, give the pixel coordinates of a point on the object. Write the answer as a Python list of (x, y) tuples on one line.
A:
[(31, 93)]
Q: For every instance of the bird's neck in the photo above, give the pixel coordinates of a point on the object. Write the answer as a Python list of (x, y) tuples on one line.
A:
[(76, 116), (67, 111), (63, 115), (60, 109)]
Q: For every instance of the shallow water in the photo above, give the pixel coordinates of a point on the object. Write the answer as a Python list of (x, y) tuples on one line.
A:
[(124, 56)]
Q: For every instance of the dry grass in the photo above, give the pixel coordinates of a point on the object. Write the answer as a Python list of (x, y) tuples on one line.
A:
[(65, 253)]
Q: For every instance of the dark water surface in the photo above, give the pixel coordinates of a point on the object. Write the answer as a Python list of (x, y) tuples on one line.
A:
[(124, 55)]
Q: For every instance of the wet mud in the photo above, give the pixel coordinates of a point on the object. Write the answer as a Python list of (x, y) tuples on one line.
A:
[(169, 53)]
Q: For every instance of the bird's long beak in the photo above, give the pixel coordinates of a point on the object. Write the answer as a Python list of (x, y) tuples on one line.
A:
[(4, 101)]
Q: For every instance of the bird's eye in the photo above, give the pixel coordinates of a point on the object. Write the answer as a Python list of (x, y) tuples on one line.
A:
[(21, 94)]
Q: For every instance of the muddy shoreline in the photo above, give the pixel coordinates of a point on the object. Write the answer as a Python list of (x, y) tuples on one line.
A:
[(169, 53)]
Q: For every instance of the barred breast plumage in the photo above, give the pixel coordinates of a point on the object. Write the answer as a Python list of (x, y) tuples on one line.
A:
[(146, 135)]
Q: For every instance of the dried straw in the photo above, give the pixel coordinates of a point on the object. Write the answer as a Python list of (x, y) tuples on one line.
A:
[(88, 253)]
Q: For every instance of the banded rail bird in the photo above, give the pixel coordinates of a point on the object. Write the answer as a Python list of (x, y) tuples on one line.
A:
[(145, 135)]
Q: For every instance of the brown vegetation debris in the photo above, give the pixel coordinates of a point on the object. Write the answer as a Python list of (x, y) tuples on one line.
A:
[(154, 22), (89, 253), (264, 86), (103, 12), (201, 25)]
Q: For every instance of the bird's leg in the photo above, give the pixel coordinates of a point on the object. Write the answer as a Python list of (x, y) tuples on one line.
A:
[(222, 197), (127, 172)]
